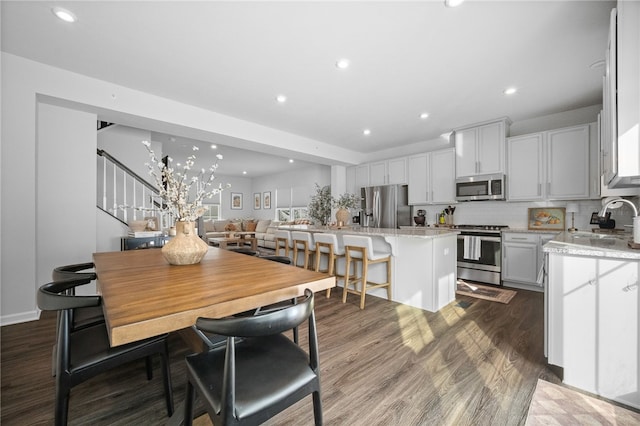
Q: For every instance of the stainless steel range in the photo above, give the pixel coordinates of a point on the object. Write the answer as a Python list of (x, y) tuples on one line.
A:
[(480, 252)]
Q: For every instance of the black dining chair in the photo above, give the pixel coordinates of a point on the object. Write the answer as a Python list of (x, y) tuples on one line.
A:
[(85, 353), (80, 317), (259, 372)]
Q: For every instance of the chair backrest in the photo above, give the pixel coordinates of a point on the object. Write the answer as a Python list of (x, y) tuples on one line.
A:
[(52, 297), (358, 241), (284, 234), (261, 325), (303, 236), (326, 238), (75, 270)]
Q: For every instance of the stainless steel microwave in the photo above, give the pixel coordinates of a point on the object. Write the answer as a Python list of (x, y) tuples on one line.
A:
[(477, 188)]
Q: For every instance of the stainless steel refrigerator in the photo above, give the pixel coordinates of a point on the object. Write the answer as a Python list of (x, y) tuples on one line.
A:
[(385, 206)]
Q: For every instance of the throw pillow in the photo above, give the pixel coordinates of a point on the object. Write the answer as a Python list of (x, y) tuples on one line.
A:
[(263, 225), (250, 226)]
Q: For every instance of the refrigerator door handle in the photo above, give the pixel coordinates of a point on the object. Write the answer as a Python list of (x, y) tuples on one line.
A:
[(376, 208)]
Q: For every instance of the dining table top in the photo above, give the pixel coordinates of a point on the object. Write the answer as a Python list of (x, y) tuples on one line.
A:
[(144, 296)]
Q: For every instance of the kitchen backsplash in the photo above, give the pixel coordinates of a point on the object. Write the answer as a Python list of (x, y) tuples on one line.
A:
[(514, 214)]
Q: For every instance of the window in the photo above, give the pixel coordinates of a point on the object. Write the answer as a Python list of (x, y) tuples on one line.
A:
[(290, 214), (212, 211)]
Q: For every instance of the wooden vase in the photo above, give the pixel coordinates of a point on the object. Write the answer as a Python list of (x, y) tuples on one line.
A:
[(186, 248)]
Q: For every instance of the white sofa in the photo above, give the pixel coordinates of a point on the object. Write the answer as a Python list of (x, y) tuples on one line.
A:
[(264, 229)]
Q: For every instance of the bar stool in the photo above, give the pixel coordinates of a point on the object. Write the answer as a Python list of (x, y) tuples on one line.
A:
[(283, 241), (360, 249), (327, 244), (302, 242)]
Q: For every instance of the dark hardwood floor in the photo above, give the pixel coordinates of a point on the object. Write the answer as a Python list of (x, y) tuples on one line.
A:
[(387, 365)]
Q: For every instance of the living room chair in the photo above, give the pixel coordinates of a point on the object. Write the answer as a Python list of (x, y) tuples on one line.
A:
[(359, 249), (85, 353), (259, 372)]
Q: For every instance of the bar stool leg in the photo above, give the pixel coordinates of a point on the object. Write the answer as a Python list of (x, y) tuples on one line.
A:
[(365, 269)]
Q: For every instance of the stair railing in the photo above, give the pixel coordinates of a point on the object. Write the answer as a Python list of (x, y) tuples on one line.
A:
[(125, 195)]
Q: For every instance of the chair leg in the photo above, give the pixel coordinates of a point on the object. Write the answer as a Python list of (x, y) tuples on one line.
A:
[(168, 389), (389, 278), (62, 404), (188, 404), (148, 362), (331, 261), (363, 293), (346, 279), (317, 409)]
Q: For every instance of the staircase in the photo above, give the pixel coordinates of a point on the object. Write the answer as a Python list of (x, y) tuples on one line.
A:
[(125, 195)]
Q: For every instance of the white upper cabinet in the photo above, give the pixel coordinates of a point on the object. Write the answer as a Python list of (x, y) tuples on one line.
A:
[(525, 167), (568, 163), (480, 149), (388, 172), (362, 176), (552, 165), (432, 178), (443, 179)]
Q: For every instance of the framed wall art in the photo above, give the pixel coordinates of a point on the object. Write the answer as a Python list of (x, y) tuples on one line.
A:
[(546, 219), (266, 200), (236, 200), (257, 201)]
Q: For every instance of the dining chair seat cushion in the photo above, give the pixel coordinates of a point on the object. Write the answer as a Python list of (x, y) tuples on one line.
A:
[(90, 347), (257, 387)]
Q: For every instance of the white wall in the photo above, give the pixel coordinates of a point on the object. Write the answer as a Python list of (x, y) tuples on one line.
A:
[(66, 188), (125, 144)]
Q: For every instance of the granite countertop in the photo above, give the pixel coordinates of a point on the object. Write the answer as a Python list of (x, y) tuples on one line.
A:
[(593, 245), (417, 232)]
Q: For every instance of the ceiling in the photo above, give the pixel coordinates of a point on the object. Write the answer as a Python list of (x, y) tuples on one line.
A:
[(405, 58)]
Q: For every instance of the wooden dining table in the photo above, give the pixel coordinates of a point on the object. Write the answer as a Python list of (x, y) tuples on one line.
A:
[(144, 296)]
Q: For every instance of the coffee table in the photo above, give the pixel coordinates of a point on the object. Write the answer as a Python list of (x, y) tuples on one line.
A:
[(224, 242)]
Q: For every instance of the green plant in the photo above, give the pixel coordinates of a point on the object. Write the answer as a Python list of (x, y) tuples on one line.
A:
[(346, 201), (320, 205)]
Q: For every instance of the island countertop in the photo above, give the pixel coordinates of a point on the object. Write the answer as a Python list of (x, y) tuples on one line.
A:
[(379, 232), (592, 245)]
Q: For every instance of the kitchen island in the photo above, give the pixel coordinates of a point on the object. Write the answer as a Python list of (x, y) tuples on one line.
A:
[(592, 313), (423, 263)]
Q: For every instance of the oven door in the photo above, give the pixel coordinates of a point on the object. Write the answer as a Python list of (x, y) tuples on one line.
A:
[(487, 267)]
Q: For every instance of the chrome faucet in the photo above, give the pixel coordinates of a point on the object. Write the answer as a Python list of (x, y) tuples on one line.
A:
[(606, 206), (636, 218)]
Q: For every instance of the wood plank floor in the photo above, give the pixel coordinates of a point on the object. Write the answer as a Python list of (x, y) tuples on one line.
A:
[(387, 365)]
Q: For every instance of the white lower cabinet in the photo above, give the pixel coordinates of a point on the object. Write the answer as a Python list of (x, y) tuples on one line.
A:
[(593, 324), (522, 259)]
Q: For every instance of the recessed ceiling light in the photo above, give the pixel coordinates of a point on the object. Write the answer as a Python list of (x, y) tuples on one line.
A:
[(281, 99), (291, 160), (424, 115), (64, 14), (510, 91), (453, 3), (342, 64), (213, 146), (366, 132), (244, 172)]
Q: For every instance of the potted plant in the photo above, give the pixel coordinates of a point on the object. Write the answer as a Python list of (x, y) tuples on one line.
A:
[(320, 205), (343, 203)]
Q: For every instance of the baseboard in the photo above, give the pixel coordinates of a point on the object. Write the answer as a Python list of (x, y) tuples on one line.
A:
[(520, 286), (19, 318)]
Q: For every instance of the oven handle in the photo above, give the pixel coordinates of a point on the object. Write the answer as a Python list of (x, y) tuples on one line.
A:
[(482, 238)]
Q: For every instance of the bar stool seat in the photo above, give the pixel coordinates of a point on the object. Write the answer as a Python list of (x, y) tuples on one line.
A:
[(304, 244), (327, 245), (359, 249), (283, 241)]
